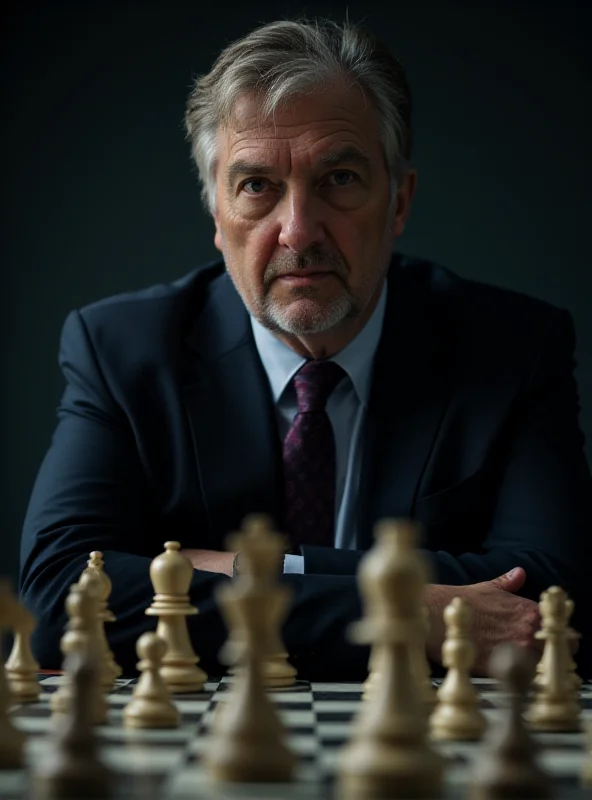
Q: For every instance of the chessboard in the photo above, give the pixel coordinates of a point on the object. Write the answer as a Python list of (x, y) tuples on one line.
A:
[(166, 765)]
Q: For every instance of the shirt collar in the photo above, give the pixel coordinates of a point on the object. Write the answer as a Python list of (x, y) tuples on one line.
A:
[(281, 363)]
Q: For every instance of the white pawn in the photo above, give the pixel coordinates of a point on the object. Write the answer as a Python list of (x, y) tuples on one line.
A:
[(12, 740), (457, 716), (21, 666), (151, 705)]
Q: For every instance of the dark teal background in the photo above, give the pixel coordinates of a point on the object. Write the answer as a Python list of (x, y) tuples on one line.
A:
[(99, 195)]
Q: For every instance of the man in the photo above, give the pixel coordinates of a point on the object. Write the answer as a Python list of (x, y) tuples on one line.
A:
[(312, 375)]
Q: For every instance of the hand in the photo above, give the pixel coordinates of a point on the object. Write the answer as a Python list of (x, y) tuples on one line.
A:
[(211, 560), (499, 616)]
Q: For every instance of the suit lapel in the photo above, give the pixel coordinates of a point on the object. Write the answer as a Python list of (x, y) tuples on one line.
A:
[(409, 395), (231, 416)]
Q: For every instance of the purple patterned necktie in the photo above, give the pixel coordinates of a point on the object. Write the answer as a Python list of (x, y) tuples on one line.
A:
[(309, 458)]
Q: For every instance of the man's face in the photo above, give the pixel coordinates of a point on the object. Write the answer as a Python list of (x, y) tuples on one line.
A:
[(304, 216)]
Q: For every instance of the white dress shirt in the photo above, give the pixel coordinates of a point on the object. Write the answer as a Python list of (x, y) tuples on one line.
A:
[(346, 409)]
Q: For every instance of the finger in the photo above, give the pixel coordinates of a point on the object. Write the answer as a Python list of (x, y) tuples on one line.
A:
[(511, 581)]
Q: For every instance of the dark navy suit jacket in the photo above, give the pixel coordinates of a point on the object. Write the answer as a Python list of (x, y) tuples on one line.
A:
[(167, 431)]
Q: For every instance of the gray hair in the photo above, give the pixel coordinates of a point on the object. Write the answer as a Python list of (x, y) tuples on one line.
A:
[(286, 58)]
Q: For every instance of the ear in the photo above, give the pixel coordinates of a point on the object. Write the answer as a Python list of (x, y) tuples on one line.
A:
[(218, 234), (403, 203)]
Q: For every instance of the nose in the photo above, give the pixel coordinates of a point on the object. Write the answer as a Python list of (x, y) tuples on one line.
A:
[(300, 221)]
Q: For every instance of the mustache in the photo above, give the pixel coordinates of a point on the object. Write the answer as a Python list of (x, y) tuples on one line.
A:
[(313, 257)]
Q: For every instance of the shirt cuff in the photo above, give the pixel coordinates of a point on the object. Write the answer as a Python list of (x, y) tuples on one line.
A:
[(293, 563)]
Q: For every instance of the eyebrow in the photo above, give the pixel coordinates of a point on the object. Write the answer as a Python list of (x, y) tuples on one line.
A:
[(347, 155)]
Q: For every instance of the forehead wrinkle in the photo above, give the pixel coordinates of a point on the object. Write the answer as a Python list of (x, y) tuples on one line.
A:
[(347, 142), (272, 128)]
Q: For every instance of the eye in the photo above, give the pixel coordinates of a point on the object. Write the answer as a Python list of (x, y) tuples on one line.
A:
[(342, 177), (254, 185)]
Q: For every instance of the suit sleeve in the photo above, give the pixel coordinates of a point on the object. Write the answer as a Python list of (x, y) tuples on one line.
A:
[(91, 493)]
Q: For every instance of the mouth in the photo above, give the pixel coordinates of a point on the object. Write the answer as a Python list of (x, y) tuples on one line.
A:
[(305, 277)]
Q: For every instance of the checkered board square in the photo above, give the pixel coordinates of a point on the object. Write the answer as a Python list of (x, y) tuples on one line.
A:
[(167, 764)]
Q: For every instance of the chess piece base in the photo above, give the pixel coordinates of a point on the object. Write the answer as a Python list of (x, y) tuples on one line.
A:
[(23, 689), (179, 668), (516, 783), (82, 778), (371, 771), (276, 675), (181, 680), (457, 724), (544, 715), (144, 713), (251, 762), (278, 672)]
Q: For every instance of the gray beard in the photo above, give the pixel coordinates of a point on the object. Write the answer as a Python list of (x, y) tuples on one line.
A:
[(280, 319)]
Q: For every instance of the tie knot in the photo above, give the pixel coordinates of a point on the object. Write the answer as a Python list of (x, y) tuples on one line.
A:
[(314, 382)]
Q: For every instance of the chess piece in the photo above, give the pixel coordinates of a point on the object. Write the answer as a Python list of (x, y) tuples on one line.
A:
[(375, 671), (573, 678), (80, 636), (388, 754), (73, 769), (420, 668), (12, 740), (260, 563), (555, 705), (21, 666), (570, 636), (247, 739), (95, 569), (540, 671), (90, 581), (457, 716), (506, 766), (171, 574), (151, 705)]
